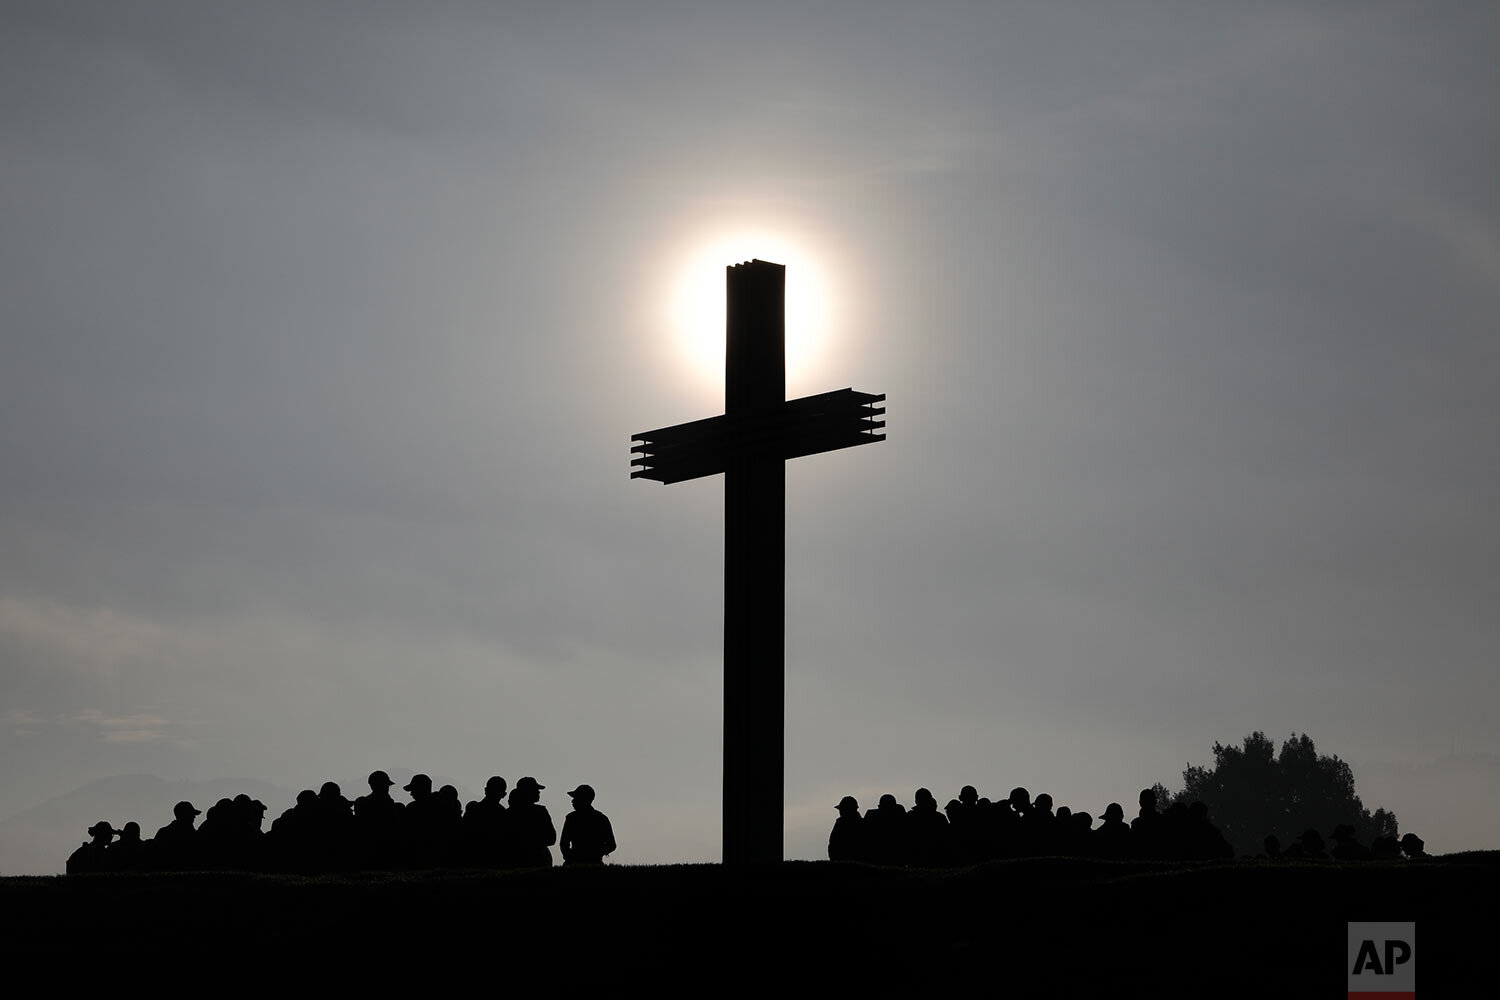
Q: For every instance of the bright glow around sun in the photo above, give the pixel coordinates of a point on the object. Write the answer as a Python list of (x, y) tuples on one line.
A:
[(698, 301)]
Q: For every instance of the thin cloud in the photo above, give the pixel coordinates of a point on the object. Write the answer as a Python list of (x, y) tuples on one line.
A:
[(90, 639), (140, 727)]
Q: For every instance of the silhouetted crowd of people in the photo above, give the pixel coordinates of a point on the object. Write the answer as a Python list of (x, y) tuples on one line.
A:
[(326, 832), (1310, 846), (971, 829)]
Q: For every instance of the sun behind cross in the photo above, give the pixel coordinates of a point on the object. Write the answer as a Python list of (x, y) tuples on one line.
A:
[(698, 301)]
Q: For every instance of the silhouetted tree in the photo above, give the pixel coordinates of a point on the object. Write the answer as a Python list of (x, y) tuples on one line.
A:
[(1164, 797), (1252, 791)]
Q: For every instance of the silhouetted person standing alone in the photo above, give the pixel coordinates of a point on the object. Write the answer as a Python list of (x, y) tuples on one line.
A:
[(420, 822), (1112, 839), (378, 808), (447, 824), (484, 825), (127, 853), (966, 823), (926, 832), (885, 832), (1148, 829), (377, 821), (175, 845), (1413, 846), (586, 834), (90, 856), (335, 814), (846, 841), (530, 830)]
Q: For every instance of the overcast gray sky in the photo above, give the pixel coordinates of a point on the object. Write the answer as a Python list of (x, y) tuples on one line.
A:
[(326, 326)]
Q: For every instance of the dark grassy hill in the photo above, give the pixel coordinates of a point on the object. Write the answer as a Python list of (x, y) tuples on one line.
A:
[(1047, 926)]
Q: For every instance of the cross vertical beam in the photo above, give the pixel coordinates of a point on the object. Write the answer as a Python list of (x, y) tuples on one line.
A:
[(754, 571), (751, 442)]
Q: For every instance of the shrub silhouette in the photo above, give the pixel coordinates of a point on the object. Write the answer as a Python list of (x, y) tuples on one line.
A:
[(1252, 791)]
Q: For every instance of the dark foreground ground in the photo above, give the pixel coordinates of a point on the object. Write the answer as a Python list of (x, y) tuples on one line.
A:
[(1038, 927)]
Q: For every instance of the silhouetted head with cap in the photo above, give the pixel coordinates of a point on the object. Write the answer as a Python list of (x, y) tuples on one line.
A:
[(184, 812), (380, 783), (102, 832), (420, 786), (248, 812), (848, 806), (527, 790), (582, 796)]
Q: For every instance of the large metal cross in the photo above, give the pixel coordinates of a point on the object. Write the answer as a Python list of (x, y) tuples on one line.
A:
[(759, 430)]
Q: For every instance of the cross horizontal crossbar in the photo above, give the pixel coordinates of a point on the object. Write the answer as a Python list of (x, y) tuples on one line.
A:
[(828, 421)]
